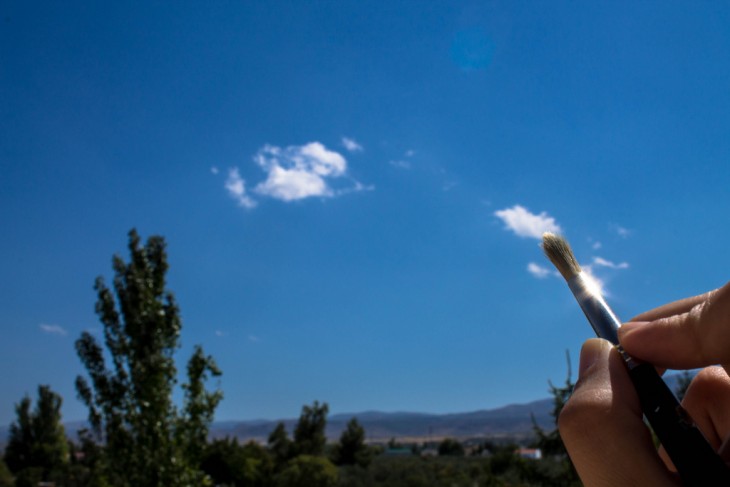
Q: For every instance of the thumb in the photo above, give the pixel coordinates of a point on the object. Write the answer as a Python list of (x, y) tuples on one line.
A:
[(602, 425)]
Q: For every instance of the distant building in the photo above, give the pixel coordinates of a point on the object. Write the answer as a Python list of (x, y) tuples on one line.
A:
[(530, 453)]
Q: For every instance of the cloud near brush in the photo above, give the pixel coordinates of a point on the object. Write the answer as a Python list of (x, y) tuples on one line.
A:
[(52, 329), (236, 188), (601, 262), (523, 223), (538, 271), (294, 173), (351, 144)]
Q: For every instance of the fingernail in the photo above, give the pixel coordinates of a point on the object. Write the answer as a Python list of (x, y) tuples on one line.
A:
[(590, 353)]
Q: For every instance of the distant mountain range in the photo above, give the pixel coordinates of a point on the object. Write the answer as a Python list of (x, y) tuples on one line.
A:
[(512, 420), (508, 421)]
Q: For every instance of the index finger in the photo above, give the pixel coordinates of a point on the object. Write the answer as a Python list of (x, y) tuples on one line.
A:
[(674, 308), (696, 335)]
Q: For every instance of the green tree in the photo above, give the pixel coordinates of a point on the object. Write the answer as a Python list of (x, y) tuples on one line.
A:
[(309, 434), (229, 463), (86, 467), (551, 443), (451, 447), (280, 445), (351, 449), (37, 447), (308, 471), (6, 478), (148, 440)]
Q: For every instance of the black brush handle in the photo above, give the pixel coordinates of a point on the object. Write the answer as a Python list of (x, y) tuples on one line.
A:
[(696, 461)]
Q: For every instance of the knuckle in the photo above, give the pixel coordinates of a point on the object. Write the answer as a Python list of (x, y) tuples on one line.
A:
[(704, 385), (578, 417)]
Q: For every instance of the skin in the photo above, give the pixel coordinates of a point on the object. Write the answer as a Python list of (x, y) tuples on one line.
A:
[(602, 424)]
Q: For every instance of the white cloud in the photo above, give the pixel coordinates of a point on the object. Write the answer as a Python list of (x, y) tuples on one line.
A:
[(400, 164), (538, 271), (410, 153), (236, 187), (214, 170), (299, 172), (526, 224), (596, 245), (253, 339), (601, 262), (53, 329), (622, 231), (351, 145), (220, 333)]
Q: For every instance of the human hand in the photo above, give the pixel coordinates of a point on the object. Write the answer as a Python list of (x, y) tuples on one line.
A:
[(602, 424)]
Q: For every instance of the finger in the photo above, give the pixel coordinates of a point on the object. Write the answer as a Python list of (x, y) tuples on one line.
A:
[(673, 308), (602, 425), (695, 338), (707, 401)]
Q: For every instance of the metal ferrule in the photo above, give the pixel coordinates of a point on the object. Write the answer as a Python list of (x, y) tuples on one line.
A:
[(602, 319), (599, 314)]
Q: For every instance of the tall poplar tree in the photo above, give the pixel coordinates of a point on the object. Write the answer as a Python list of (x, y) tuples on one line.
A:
[(148, 441)]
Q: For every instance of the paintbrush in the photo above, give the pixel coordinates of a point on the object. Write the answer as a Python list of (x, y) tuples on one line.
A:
[(694, 458)]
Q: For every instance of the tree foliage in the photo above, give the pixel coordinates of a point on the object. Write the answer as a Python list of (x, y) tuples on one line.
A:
[(451, 447), (6, 478), (231, 464), (308, 471), (309, 434), (149, 442), (37, 448), (280, 446), (551, 443), (351, 449)]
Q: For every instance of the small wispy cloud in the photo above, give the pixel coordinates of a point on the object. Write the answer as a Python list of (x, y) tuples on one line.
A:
[(220, 333), (236, 187), (214, 170), (253, 339), (351, 145), (622, 232), (400, 164), (53, 329), (410, 153), (523, 223), (601, 262), (538, 271)]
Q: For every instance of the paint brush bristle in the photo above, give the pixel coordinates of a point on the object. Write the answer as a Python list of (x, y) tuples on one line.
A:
[(558, 250)]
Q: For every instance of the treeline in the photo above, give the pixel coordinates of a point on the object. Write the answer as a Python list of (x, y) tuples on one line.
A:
[(138, 437), (38, 453)]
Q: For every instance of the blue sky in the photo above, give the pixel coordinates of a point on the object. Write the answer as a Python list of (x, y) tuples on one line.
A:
[(351, 191)]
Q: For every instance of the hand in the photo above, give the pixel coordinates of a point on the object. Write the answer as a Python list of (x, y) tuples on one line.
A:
[(602, 424)]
